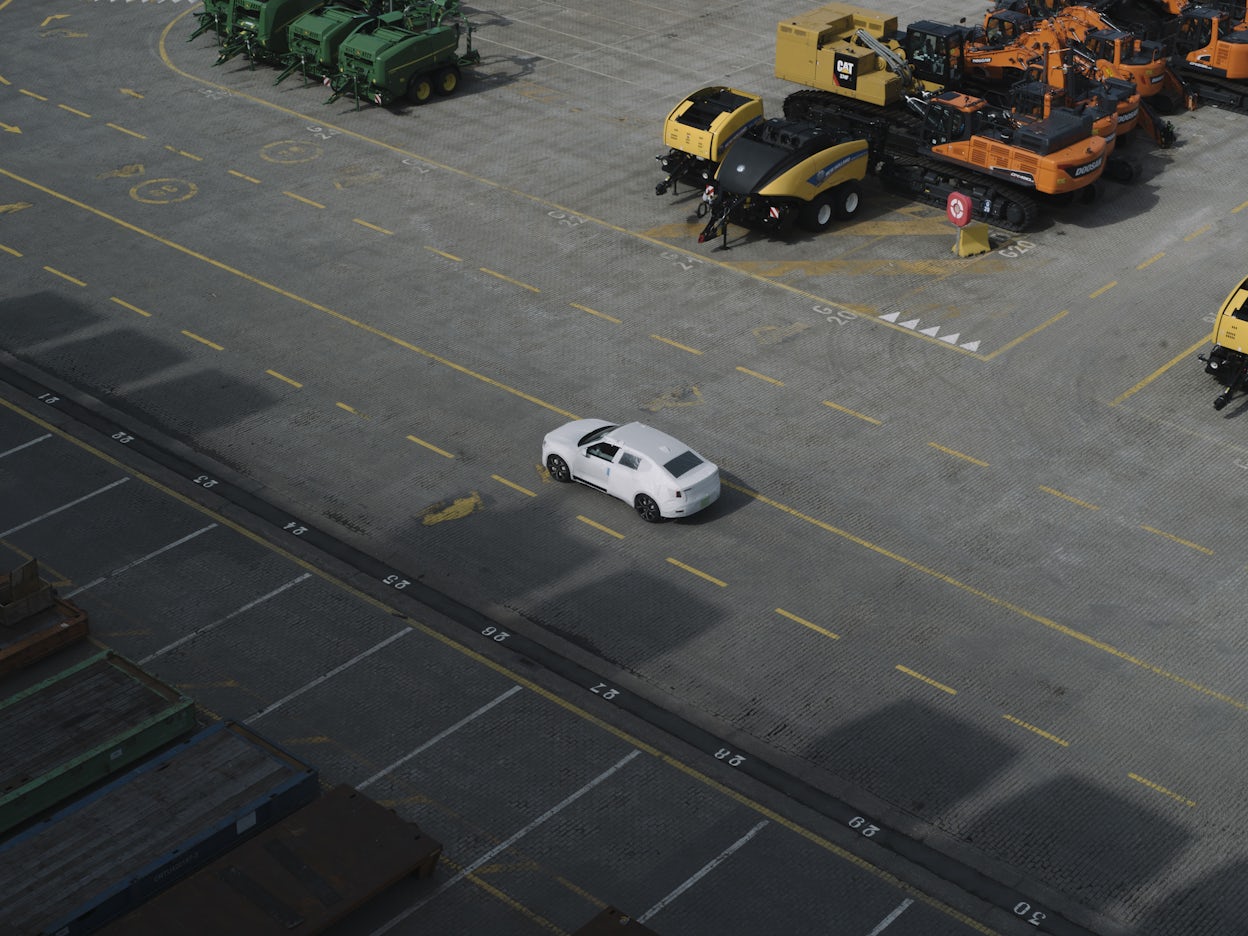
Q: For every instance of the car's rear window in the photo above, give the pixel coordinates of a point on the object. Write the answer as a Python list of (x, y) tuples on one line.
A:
[(682, 463), (596, 435)]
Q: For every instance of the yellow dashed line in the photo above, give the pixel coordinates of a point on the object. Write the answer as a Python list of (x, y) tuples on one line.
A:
[(37, 97), (11, 251), (957, 454), (805, 623), (283, 378), (702, 575), (675, 344), (604, 529), (1181, 542), (1151, 260), (66, 107), (511, 484), (430, 446), (1182, 356), (349, 409), (300, 198), (601, 315), (931, 682), (508, 279), (443, 253), (114, 126), (1104, 289), (174, 149), (372, 227), (1161, 789), (126, 305), (202, 340), (1023, 337), (845, 409), (245, 178), (770, 380), (1240, 207), (64, 276), (1196, 233), (1067, 497), (1044, 734)]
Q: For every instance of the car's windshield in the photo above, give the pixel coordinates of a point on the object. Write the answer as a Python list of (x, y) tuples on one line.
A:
[(596, 435), (682, 464)]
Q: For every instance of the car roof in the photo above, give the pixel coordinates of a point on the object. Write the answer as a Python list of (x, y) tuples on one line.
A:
[(658, 445)]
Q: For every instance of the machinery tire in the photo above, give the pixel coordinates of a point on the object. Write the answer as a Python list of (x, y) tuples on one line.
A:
[(647, 508), (446, 80), (419, 89), (817, 215), (558, 469), (848, 199)]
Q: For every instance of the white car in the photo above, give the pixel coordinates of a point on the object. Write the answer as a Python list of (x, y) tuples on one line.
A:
[(659, 476)]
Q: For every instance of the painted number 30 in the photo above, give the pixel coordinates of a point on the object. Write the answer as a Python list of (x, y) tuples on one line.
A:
[(1032, 916)]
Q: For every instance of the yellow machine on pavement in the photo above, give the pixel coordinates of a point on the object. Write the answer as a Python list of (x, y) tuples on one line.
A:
[(1228, 361)]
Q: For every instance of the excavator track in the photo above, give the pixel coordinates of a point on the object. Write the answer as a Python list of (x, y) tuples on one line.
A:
[(1225, 93), (893, 139)]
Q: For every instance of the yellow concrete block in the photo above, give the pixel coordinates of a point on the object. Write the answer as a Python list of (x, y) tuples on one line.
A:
[(972, 240)]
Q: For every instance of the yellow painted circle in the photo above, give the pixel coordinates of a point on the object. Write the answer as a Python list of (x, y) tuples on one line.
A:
[(289, 151), (164, 191)]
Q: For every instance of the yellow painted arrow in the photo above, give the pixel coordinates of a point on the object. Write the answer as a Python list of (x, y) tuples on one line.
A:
[(16, 206), (7, 128), (54, 16), (132, 93)]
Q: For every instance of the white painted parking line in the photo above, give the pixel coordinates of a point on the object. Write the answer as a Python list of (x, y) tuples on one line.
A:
[(18, 448), (709, 867), (140, 561), (503, 846), (888, 920), (53, 513), (330, 675), (217, 623), (438, 737)]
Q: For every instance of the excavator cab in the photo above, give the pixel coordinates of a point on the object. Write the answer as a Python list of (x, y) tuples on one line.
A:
[(1006, 27), (946, 117), (934, 51)]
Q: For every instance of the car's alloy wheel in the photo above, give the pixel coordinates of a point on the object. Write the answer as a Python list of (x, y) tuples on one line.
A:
[(560, 471), (647, 509)]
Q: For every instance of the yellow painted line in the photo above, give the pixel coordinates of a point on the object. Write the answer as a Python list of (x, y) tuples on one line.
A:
[(702, 575), (202, 340), (1175, 539), (927, 679), (126, 305), (508, 279), (805, 623), (294, 297), (11, 251), (601, 315), (174, 149), (314, 739), (1196, 233), (1151, 260), (548, 695), (675, 344), (957, 454), (511, 484), (1181, 356), (300, 198), (1023, 337), (443, 253), (379, 230), (1161, 789), (283, 378), (990, 598), (1104, 289), (430, 446), (1044, 734), (846, 409), (124, 130), (349, 409), (37, 97), (1067, 497), (64, 276), (604, 529), (245, 178), (66, 107), (3, 80), (1240, 207), (770, 380)]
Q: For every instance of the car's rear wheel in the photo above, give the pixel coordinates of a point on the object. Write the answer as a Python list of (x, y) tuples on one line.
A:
[(647, 508), (558, 468)]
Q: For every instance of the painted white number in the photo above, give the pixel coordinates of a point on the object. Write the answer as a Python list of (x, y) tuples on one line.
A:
[(295, 528), (323, 133), (733, 759), (205, 481), (685, 263), (395, 582), (50, 398), (495, 634), (567, 219), (837, 316), (123, 437), (605, 691), (1034, 917), (863, 826), (1017, 249), (417, 165)]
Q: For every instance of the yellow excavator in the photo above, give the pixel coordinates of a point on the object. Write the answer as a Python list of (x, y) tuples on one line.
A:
[(1228, 360)]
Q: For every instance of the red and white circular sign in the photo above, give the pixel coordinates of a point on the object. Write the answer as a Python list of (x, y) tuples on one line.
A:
[(958, 207)]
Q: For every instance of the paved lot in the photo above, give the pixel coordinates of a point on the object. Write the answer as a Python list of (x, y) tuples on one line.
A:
[(975, 571)]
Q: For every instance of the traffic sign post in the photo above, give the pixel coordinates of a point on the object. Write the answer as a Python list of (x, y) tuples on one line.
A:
[(972, 236)]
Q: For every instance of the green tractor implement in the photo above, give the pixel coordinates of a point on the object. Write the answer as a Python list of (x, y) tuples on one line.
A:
[(315, 37), (212, 15), (260, 28), (412, 54)]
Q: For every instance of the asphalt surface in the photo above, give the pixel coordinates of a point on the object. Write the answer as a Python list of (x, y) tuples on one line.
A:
[(973, 579)]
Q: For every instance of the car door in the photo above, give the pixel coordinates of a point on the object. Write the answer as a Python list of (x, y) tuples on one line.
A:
[(593, 464), (625, 479)]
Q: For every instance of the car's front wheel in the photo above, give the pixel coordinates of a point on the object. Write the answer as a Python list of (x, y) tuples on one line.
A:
[(647, 508), (559, 469)]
